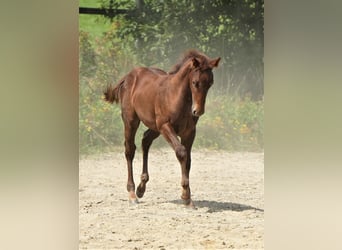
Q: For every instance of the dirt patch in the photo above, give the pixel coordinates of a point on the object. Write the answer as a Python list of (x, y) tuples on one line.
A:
[(227, 188)]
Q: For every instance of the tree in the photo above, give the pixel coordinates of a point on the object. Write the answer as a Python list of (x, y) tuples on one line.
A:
[(157, 32)]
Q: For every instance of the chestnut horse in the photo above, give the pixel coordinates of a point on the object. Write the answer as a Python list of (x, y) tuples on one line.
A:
[(168, 104)]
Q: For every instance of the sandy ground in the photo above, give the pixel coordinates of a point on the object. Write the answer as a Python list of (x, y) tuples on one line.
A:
[(227, 188)]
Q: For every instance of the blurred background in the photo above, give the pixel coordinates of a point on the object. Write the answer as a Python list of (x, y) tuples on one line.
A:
[(40, 114), (156, 33)]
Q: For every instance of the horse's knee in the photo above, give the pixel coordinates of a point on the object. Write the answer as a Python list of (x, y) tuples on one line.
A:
[(181, 153)]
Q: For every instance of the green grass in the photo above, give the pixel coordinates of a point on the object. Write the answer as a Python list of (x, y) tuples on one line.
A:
[(96, 25), (89, 3)]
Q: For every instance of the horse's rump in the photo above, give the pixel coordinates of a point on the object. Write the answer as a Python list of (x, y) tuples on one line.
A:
[(113, 93)]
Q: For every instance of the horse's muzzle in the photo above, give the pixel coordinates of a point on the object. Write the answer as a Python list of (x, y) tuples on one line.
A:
[(197, 112)]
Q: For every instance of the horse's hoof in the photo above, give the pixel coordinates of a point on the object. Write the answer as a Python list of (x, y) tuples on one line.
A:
[(189, 204), (140, 191), (133, 202)]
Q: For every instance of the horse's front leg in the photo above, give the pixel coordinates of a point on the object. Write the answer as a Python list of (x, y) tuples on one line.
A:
[(182, 155), (187, 140)]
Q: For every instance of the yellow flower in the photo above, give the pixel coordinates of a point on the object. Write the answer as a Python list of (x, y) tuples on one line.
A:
[(105, 108), (244, 129)]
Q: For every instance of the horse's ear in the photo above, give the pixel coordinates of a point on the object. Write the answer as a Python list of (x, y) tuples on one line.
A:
[(214, 63), (195, 62)]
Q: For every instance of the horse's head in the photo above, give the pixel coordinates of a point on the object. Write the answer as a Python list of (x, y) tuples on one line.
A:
[(201, 79)]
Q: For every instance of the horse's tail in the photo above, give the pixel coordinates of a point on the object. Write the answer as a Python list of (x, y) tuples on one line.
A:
[(112, 93)]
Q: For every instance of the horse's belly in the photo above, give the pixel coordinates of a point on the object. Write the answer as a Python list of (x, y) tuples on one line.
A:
[(147, 116), (149, 123)]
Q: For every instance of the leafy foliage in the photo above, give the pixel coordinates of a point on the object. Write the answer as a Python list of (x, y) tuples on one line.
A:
[(231, 124), (157, 32)]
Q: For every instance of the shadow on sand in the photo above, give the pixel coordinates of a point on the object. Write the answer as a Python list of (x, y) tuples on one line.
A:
[(216, 206)]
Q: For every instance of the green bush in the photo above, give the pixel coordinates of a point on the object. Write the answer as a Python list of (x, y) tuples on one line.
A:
[(97, 126), (230, 124)]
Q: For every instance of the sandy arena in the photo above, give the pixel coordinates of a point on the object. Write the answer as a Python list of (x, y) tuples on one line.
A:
[(227, 189)]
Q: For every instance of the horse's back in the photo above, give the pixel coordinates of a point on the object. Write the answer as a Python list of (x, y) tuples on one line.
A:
[(146, 79)]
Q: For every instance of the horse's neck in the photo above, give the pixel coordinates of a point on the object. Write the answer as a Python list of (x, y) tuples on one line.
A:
[(180, 84), (183, 72)]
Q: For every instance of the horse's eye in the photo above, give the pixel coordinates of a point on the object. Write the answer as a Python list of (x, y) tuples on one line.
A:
[(195, 84)]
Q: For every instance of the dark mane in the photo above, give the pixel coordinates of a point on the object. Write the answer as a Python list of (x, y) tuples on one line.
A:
[(186, 56)]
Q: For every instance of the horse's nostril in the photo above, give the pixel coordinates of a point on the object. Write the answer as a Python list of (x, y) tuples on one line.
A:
[(197, 113)]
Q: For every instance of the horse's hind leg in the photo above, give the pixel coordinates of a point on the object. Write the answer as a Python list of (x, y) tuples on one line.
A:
[(147, 140), (131, 126)]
